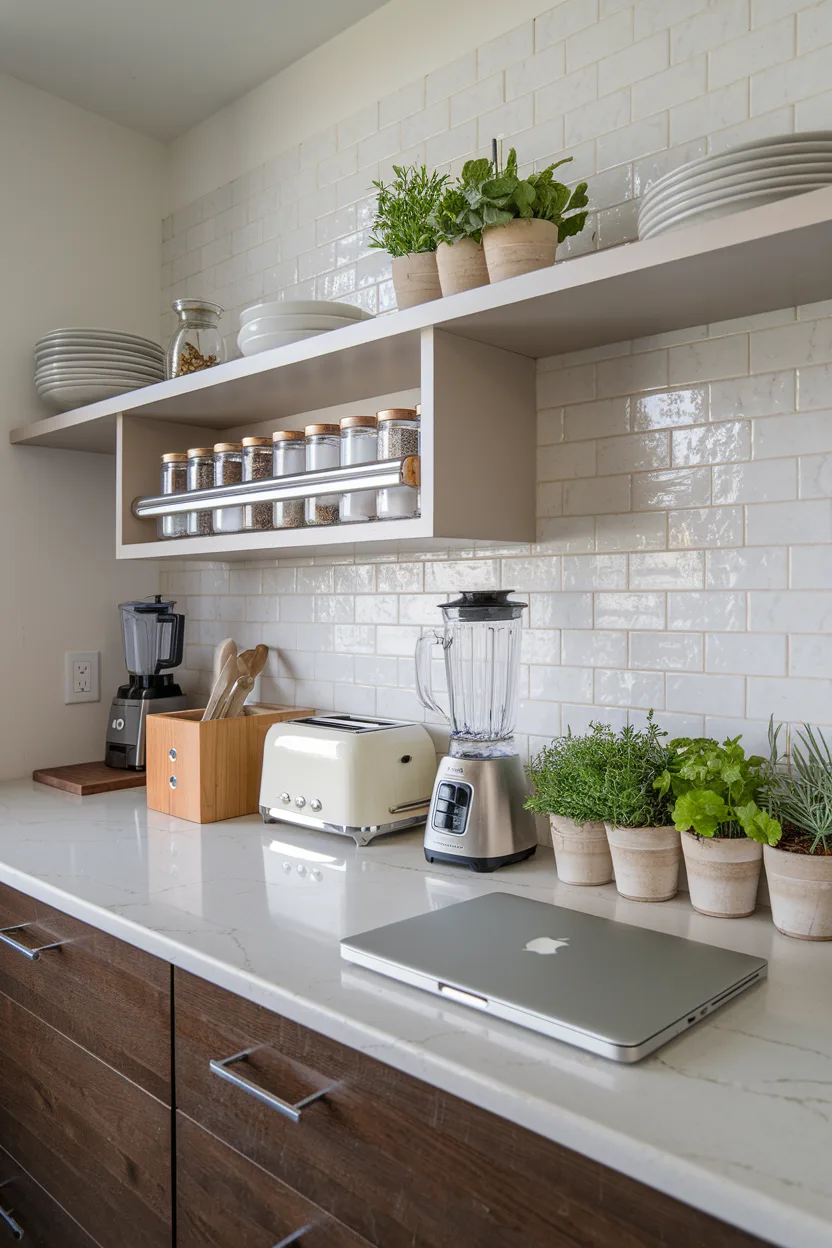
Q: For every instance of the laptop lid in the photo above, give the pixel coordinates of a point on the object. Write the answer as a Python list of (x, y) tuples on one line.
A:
[(594, 976)]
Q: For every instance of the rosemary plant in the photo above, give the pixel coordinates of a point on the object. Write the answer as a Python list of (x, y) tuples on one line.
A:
[(801, 791), (403, 210)]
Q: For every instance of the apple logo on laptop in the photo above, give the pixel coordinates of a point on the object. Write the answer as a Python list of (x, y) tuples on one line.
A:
[(545, 944)]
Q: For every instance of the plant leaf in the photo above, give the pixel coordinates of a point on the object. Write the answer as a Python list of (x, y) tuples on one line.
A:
[(701, 810)]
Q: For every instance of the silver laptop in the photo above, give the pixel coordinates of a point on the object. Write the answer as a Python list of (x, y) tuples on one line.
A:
[(617, 990)]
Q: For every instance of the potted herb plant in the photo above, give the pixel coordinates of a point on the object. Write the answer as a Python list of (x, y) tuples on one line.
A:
[(645, 846), (523, 219), (401, 228), (460, 257), (566, 777), (799, 868), (716, 791)]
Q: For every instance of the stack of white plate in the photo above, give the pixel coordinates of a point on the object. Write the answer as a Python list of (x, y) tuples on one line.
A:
[(269, 325), (743, 177), (78, 366)]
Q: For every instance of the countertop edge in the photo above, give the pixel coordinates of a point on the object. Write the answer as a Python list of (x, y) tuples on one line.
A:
[(719, 1196)]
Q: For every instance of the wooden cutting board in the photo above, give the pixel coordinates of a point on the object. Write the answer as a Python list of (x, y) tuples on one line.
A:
[(87, 778)]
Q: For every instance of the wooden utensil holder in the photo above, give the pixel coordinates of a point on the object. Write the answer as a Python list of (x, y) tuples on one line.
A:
[(210, 771)]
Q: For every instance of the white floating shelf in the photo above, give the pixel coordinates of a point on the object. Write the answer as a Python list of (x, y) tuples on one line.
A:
[(766, 258)]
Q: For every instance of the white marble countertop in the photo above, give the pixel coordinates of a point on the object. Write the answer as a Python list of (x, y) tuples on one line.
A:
[(734, 1117)]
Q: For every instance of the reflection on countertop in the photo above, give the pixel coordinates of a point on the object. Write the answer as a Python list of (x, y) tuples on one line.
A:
[(734, 1117)]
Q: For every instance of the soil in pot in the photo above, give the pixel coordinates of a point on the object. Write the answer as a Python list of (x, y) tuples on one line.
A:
[(800, 888), (520, 246), (646, 862), (582, 853), (723, 874), (461, 266), (416, 279)]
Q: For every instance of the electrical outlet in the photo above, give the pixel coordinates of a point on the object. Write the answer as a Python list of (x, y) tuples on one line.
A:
[(81, 679)]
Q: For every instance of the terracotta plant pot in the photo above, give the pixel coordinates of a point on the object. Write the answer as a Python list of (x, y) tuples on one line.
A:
[(521, 246), (800, 887), (415, 279), (646, 862), (723, 874), (582, 853), (461, 266)]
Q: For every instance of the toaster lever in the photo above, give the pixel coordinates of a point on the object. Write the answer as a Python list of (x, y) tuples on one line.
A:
[(395, 810)]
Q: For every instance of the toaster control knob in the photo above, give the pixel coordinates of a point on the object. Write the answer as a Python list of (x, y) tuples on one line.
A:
[(285, 799), (300, 802), (314, 804)]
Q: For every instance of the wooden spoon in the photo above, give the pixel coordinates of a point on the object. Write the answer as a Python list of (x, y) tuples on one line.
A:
[(222, 687)]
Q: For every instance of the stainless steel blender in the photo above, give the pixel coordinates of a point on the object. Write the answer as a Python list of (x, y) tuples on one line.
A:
[(477, 815), (153, 636)]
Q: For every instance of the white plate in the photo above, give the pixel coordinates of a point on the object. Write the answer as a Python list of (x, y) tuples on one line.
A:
[(283, 324), (96, 349), (98, 366), (712, 212), (734, 175), (713, 200), (268, 342), (95, 344), (817, 141), (65, 398), (786, 186), (103, 379), (113, 385), (303, 307), (96, 335), (93, 359)]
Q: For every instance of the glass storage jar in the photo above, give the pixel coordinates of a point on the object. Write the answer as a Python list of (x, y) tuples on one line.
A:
[(398, 437), (257, 466), (323, 450), (359, 445), (228, 470), (200, 477), (197, 343), (174, 481), (289, 459)]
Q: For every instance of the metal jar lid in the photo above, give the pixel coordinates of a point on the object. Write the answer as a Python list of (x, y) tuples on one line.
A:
[(359, 422), (219, 447), (288, 435), (257, 441), (196, 452), (483, 606), (174, 457), (396, 413), (316, 431)]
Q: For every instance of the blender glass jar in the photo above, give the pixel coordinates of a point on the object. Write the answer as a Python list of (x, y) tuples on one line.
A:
[(481, 643)]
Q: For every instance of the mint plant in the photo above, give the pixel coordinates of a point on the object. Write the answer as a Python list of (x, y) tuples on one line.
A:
[(497, 196), (403, 210), (717, 790)]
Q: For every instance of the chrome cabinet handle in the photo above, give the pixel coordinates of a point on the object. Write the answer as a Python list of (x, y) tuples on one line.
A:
[(31, 954), (295, 1237), (293, 1112), (14, 1227)]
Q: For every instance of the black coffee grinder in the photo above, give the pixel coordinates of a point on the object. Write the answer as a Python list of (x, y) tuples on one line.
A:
[(154, 637)]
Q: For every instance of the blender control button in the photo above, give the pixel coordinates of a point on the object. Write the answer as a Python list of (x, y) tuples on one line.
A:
[(442, 805), (462, 796), (314, 804), (446, 791), (300, 802), (442, 821)]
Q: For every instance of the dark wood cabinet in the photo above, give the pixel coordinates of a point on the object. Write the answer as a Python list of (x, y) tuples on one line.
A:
[(400, 1162), (104, 994), (226, 1201), (27, 1212)]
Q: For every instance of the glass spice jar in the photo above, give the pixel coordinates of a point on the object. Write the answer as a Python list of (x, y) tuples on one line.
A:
[(257, 466), (197, 343), (200, 477), (289, 458), (359, 445), (174, 481), (228, 470), (323, 450), (398, 437)]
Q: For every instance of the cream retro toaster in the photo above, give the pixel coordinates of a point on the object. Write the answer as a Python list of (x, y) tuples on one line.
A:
[(349, 774)]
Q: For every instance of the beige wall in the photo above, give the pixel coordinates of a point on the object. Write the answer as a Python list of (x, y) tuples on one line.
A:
[(80, 205)]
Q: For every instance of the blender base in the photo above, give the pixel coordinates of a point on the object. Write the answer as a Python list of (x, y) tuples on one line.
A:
[(477, 815)]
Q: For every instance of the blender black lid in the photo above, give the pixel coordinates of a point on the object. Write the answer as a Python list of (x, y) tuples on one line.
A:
[(474, 606), (158, 605)]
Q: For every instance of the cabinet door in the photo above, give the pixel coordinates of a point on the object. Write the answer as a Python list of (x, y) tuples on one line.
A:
[(28, 1213), (104, 994), (225, 1201), (403, 1164), (97, 1143)]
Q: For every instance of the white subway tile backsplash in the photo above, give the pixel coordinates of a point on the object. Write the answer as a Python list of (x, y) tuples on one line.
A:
[(678, 496)]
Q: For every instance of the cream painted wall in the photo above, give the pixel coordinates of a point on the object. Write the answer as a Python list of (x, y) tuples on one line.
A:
[(80, 207), (387, 50)]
